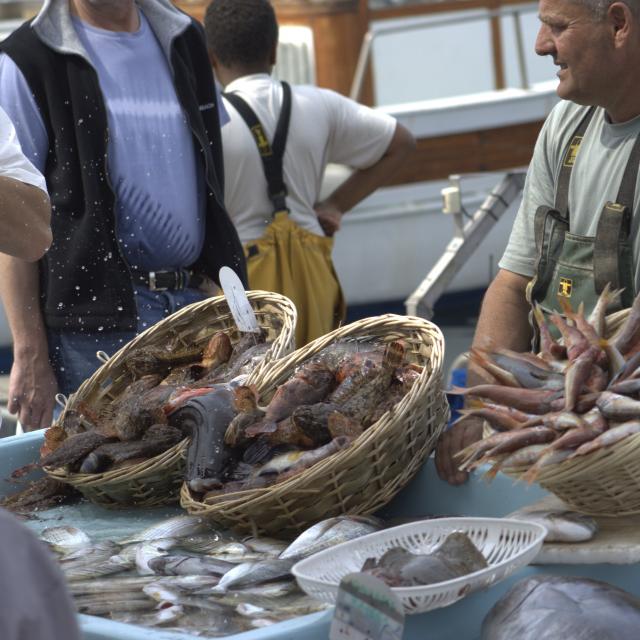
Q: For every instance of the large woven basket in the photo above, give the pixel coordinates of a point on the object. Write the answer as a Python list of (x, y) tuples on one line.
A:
[(366, 475), (157, 480), (604, 482)]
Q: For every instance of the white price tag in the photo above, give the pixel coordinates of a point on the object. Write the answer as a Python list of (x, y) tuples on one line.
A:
[(241, 310), (366, 609)]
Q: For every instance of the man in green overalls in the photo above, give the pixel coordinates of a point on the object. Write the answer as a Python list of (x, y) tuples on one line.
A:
[(576, 230)]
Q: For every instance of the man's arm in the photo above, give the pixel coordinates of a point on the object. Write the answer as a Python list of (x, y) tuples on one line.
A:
[(32, 385), (363, 182), (25, 216), (503, 322)]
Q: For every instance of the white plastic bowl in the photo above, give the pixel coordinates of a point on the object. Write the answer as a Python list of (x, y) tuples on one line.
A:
[(506, 544)]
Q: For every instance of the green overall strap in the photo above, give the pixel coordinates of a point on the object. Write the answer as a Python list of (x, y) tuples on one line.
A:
[(270, 154), (568, 162), (610, 262), (551, 223)]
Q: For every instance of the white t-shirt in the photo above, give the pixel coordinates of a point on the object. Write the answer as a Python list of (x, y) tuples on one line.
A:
[(13, 163), (324, 127), (595, 179)]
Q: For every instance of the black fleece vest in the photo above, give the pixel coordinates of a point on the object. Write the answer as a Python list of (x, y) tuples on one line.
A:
[(85, 282)]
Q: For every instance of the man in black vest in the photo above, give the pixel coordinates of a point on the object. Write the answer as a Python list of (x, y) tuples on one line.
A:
[(115, 103)]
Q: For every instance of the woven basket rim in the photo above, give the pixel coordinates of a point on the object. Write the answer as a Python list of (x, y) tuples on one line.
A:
[(385, 424), (121, 475)]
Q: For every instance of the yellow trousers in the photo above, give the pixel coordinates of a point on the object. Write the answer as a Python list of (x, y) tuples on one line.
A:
[(297, 263)]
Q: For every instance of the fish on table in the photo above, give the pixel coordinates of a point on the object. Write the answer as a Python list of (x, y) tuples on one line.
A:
[(456, 556), (546, 607)]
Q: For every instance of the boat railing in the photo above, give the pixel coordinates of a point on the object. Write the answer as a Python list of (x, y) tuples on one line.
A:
[(467, 237), (429, 22)]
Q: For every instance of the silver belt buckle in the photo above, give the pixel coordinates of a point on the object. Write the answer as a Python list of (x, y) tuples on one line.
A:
[(152, 282)]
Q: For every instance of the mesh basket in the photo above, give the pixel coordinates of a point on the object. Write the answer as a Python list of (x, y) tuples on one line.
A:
[(157, 480), (507, 545), (367, 474)]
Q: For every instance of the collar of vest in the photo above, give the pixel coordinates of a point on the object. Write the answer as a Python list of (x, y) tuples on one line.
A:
[(54, 27)]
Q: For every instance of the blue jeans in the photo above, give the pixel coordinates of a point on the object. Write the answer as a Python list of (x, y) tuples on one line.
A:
[(73, 355)]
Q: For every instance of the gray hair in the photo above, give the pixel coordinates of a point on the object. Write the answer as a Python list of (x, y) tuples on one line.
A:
[(599, 8)]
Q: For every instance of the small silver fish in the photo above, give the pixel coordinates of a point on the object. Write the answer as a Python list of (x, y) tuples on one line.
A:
[(562, 526), (249, 573), (328, 533), (177, 527), (65, 539)]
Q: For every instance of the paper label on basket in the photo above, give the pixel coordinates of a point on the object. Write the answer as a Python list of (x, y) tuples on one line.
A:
[(241, 310), (366, 609)]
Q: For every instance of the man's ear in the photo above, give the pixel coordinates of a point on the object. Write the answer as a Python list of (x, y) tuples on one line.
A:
[(212, 59), (621, 19)]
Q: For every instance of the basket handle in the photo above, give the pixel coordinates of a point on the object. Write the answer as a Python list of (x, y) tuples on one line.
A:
[(62, 400), (102, 356)]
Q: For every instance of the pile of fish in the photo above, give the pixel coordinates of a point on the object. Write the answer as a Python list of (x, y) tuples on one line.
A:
[(576, 396), (137, 424), (546, 607), (455, 557), (325, 404), (183, 574)]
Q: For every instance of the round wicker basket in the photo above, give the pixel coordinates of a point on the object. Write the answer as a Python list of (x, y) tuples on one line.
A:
[(157, 480), (601, 483), (366, 475)]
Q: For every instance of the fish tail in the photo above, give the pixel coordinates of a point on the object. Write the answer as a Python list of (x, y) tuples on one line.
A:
[(566, 307), (539, 316), (459, 391), (394, 354), (532, 473), (493, 471)]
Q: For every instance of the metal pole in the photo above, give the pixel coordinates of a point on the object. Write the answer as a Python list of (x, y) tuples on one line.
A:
[(461, 247), (517, 25)]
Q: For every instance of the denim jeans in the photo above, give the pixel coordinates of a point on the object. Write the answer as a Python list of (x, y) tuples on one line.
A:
[(73, 354)]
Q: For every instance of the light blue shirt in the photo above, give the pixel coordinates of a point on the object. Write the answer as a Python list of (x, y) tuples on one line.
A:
[(153, 167)]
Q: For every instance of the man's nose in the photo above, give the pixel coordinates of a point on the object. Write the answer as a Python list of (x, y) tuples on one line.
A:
[(544, 42)]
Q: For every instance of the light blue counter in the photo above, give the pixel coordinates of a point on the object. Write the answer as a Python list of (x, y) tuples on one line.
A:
[(425, 495)]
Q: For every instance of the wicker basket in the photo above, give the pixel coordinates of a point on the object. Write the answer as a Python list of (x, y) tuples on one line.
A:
[(157, 480), (366, 475), (604, 482)]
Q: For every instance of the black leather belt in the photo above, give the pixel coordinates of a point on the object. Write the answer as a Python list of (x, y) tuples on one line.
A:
[(168, 280)]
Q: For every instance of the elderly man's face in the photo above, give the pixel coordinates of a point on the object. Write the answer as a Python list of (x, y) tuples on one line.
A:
[(581, 46)]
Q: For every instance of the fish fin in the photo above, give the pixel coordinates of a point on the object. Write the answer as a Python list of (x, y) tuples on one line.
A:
[(257, 452), (241, 472), (493, 471), (566, 307)]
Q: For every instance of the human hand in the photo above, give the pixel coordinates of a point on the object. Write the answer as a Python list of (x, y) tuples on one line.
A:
[(32, 390), (453, 440), (329, 217)]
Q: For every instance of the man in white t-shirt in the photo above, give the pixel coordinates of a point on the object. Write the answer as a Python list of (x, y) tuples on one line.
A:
[(35, 602), (324, 127), (25, 214)]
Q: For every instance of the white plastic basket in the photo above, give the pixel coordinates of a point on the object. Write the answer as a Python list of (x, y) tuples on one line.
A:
[(506, 544)]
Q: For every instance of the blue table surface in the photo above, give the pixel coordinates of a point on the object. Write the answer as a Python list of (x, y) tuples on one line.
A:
[(425, 495)]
